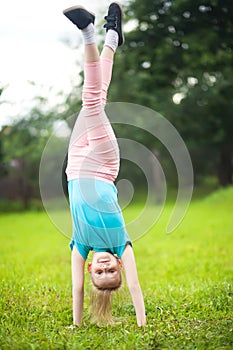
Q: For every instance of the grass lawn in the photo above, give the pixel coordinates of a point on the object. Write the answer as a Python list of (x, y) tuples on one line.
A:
[(186, 277)]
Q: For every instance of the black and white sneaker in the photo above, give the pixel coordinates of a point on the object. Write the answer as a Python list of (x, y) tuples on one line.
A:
[(79, 16), (114, 21)]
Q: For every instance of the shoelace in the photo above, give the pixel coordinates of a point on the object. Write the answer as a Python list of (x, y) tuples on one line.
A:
[(111, 22)]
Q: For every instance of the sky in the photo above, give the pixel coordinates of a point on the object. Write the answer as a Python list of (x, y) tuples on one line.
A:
[(33, 49)]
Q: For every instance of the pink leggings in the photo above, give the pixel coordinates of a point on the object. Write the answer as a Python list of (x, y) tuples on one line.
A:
[(93, 149)]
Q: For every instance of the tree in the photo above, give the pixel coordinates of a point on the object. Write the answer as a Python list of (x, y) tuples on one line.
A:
[(23, 143), (211, 124), (2, 165), (183, 49)]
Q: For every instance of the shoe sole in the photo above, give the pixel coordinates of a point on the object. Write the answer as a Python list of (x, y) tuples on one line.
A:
[(76, 8), (120, 6), (122, 16)]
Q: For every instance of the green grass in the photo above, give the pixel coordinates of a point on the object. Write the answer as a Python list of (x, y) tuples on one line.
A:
[(186, 277)]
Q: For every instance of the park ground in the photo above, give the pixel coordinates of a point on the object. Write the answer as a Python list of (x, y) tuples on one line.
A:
[(186, 278)]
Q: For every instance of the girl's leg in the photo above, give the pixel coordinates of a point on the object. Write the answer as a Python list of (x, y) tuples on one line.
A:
[(113, 39), (100, 154), (91, 96), (103, 157), (103, 154), (93, 144), (92, 72), (106, 60), (79, 145)]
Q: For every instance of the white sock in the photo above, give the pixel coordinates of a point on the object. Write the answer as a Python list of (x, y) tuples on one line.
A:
[(89, 34), (111, 39)]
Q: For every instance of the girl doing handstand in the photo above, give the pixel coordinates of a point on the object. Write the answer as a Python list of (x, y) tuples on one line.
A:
[(93, 165)]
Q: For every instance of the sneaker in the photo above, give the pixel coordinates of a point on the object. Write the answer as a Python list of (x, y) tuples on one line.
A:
[(114, 21), (79, 16)]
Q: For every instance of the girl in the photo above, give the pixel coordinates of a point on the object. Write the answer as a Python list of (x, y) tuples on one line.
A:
[(93, 165)]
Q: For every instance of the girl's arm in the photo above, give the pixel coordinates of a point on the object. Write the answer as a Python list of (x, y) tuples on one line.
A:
[(131, 275), (77, 264)]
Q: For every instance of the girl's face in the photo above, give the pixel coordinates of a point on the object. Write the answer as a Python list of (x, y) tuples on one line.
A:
[(105, 270)]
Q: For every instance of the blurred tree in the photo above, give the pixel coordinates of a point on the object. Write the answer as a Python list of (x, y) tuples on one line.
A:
[(181, 51), (2, 165), (2, 168), (211, 124), (23, 143)]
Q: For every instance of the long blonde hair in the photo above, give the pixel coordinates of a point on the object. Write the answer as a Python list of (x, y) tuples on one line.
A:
[(101, 304)]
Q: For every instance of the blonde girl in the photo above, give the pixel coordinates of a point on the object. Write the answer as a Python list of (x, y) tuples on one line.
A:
[(93, 165)]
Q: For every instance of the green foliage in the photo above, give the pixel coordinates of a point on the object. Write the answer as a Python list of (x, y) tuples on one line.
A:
[(173, 47), (2, 167), (23, 143), (21, 147), (183, 47), (186, 278)]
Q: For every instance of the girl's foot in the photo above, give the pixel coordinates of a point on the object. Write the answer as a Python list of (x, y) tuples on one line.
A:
[(114, 21), (79, 16)]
